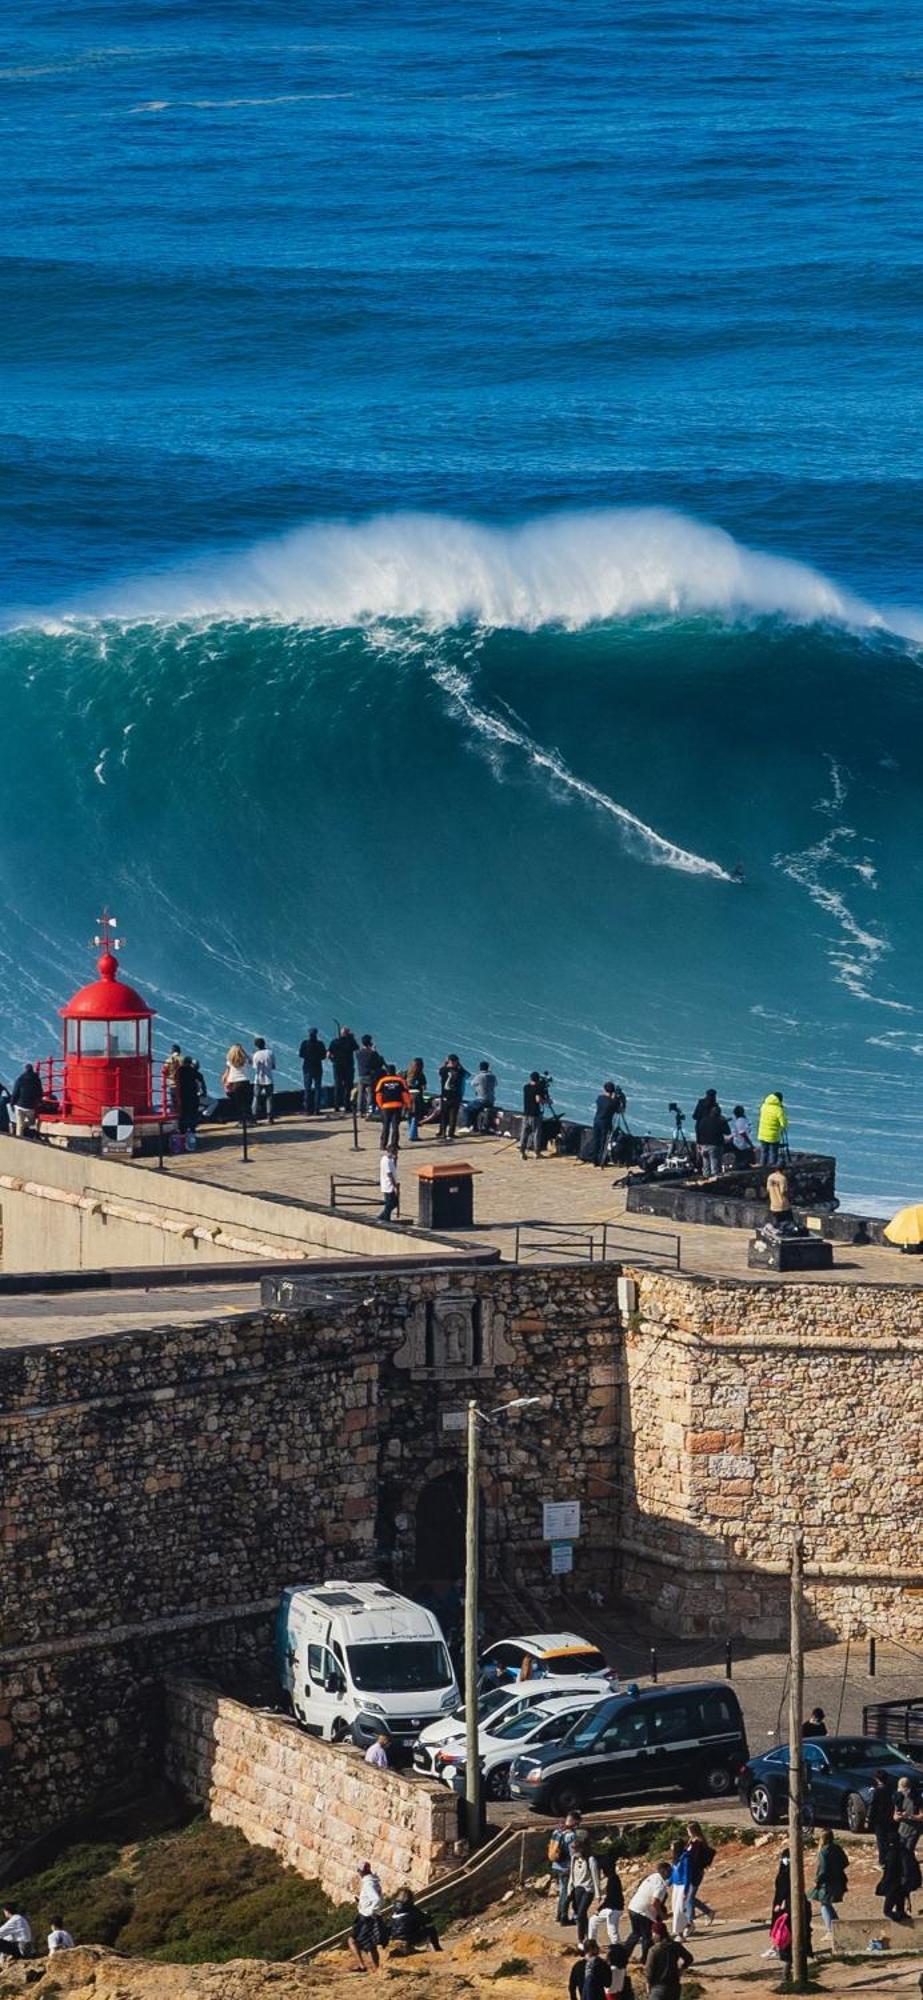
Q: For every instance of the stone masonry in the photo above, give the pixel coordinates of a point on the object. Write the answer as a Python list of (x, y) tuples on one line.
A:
[(322, 1810), (750, 1409), (161, 1487)]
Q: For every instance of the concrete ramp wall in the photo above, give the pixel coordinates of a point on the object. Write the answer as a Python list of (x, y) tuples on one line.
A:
[(68, 1211)]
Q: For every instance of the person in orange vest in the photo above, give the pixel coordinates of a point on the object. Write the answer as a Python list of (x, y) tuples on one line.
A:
[(392, 1098)]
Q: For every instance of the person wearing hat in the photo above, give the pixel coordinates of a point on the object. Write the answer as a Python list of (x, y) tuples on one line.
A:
[(368, 1930)]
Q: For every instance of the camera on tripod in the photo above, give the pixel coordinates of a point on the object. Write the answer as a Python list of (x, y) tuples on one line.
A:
[(679, 1115)]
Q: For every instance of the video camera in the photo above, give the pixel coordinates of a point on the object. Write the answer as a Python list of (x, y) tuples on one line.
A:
[(677, 1113)]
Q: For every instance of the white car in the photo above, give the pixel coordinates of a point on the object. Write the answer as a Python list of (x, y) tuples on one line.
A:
[(498, 1746), (549, 1654), (498, 1705)]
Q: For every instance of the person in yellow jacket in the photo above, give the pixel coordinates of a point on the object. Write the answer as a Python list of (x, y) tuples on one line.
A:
[(392, 1098), (772, 1128)]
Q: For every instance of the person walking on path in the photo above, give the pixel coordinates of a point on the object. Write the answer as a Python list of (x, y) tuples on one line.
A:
[(680, 1889), (603, 1121), (663, 1968), (377, 1752), (389, 1181), (15, 1933), (236, 1081), (416, 1090), (342, 1054), (772, 1128), (368, 1931), (880, 1816), (583, 1887), (592, 1975), (701, 1857), (711, 1130), (608, 1917), (647, 1907), (370, 1064), (392, 1099), (830, 1881), (534, 1096), (452, 1080), (781, 1933), (908, 1816), (891, 1886), (560, 1849), (484, 1095), (26, 1100), (264, 1064), (312, 1056)]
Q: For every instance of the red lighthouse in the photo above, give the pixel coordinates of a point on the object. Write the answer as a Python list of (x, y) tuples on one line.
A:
[(107, 1058)]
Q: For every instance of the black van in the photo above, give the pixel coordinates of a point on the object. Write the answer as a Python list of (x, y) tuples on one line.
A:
[(689, 1739)]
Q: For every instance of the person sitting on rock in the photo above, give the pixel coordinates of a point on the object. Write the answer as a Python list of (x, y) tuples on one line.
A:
[(409, 1926)]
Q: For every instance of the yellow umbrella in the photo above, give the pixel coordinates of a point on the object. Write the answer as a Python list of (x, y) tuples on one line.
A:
[(907, 1227)]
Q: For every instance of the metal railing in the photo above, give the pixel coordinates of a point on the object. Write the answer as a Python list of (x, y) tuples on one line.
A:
[(594, 1242), (371, 1198), (659, 1246)]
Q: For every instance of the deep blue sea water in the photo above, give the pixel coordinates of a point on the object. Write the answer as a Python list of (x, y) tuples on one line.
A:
[(461, 494)]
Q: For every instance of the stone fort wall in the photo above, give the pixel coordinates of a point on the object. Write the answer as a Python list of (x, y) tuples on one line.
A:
[(750, 1409), (159, 1489)]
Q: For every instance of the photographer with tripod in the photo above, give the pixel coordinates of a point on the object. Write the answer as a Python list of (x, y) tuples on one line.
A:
[(534, 1099), (607, 1118)]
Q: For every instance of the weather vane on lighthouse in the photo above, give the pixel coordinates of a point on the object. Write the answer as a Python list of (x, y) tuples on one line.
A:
[(103, 941)]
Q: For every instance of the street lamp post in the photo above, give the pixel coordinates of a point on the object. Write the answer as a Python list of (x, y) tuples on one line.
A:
[(472, 1578)]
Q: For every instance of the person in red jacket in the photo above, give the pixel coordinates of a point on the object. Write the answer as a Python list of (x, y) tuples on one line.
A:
[(392, 1098)]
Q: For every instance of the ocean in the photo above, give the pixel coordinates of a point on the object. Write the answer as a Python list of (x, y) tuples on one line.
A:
[(461, 503)]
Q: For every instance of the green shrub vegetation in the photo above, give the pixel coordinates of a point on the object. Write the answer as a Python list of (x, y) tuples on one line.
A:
[(513, 1968), (183, 1893)]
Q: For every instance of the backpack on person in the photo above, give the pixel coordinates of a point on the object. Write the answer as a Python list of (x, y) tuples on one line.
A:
[(390, 1092), (557, 1850)]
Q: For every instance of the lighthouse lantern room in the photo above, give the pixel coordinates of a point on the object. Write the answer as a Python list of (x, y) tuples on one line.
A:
[(107, 1059)]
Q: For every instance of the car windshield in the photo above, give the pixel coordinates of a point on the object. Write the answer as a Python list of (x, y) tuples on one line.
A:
[(863, 1753), (399, 1666), (588, 1662), (523, 1723)]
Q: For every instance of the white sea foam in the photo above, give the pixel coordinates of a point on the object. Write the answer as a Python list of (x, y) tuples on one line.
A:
[(568, 570), (640, 838)]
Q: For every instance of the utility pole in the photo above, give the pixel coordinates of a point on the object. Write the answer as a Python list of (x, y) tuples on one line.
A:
[(796, 1772), (472, 1752)]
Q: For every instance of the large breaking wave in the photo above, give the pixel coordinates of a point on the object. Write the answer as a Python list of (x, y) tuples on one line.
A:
[(569, 569)]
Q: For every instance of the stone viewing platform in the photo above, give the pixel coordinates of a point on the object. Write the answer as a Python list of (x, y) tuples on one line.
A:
[(297, 1159)]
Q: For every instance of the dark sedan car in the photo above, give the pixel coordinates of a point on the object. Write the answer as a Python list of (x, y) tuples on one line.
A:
[(838, 1779)]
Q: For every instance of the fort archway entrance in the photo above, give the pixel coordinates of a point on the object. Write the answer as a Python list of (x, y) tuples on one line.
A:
[(440, 1530)]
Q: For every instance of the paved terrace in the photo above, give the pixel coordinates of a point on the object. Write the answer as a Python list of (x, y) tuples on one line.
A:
[(295, 1159)]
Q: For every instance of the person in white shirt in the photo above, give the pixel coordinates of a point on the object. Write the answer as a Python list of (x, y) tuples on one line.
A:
[(389, 1181), (366, 1934), (584, 1882), (15, 1933), (58, 1938), (647, 1907), (236, 1081), (264, 1064), (377, 1752)]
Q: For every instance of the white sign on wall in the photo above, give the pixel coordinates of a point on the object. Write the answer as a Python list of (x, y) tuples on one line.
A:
[(560, 1520), (454, 1420)]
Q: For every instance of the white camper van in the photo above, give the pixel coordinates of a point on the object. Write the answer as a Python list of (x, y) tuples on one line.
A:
[(356, 1659)]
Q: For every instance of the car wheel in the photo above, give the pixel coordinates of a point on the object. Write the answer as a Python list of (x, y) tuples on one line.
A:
[(855, 1813), (762, 1805), (566, 1797), (497, 1782), (716, 1781), (339, 1731)]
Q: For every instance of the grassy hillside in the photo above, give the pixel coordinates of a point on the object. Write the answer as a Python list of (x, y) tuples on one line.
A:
[(161, 1886)]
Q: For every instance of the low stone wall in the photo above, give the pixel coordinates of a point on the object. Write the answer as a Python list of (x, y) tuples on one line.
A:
[(737, 1200), (321, 1808)]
